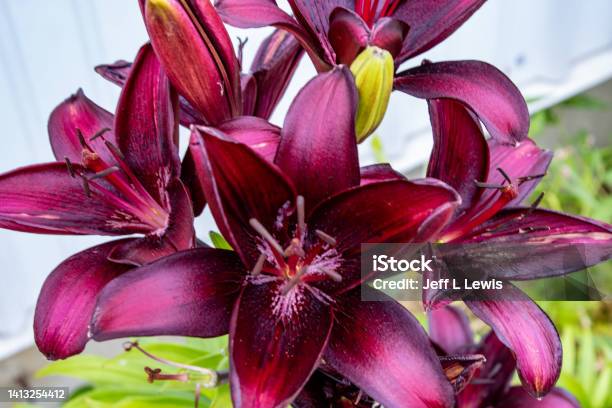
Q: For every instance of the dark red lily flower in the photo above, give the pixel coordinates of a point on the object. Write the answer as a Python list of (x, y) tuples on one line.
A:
[(505, 240), (289, 293), (490, 385), (114, 176), (196, 51), (337, 31)]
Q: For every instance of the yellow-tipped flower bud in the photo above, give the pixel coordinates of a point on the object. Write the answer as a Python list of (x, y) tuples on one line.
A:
[(373, 72)]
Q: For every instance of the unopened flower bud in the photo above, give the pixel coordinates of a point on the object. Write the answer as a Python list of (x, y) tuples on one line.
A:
[(373, 72)]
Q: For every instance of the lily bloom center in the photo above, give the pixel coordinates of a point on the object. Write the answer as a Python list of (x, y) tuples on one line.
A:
[(302, 259), (371, 10)]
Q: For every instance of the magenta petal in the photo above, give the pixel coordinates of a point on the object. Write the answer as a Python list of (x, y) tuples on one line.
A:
[(526, 330), (348, 34), (239, 185), (521, 160), (117, 72), (529, 244), (44, 198), (79, 112), (389, 34), (146, 124), (179, 234), (259, 134), (276, 342), (460, 153), (449, 328), (517, 397), (272, 69), (383, 349), (379, 172), (67, 299), (486, 90), (432, 21), (318, 150), (190, 293)]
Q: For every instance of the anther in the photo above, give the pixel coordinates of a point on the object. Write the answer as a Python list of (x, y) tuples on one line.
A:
[(328, 239), (504, 175), (521, 180), (104, 173), (294, 280), (155, 374), (537, 201), (114, 149), (86, 187), (489, 185), (258, 226), (301, 214), (99, 133), (336, 277), (69, 167), (258, 265), (82, 139)]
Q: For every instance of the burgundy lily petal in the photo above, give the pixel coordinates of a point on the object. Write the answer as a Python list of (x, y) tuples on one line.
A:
[(517, 397), (525, 243), (432, 21), (526, 330), (248, 84), (197, 54), (348, 34), (239, 185), (257, 133), (486, 90), (449, 328), (379, 172), (317, 148), (44, 198), (392, 360), (493, 377), (67, 299), (521, 160), (179, 234), (190, 293), (276, 341), (273, 67), (147, 126), (460, 369), (191, 172), (117, 72), (78, 112), (460, 153), (389, 34)]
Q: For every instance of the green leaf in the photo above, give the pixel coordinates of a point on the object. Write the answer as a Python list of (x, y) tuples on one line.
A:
[(603, 384), (584, 101), (133, 398), (218, 241), (569, 349), (222, 398), (586, 358)]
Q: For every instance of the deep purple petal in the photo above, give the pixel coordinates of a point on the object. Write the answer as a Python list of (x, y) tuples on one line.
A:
[(517, 397), (197, 54), (79, 112), (379, 172), (432, 21), (178, 236), (239, 185), (389, 34), (449, 328), (276, 341), (259, 134), (460, 153), (273, 67), (190, 293), (67, 299), (524, 243), (348, 34), (318, 149), (44, 198), (383, 349), (486, 90), (147, 126), (526, 330)]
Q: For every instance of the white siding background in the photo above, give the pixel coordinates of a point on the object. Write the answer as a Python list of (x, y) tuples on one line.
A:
[(551, 48)]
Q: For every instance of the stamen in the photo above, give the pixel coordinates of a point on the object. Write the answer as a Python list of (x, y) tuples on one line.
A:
[(114, 149), (82, 141), (505, 175), (521, 180), (99, 133), (156, 375), (489, 185), (301, 214), (358, 399), (258, 265), (328, 239), (104, 173), (258, 226), (537, 201), (294, 280), (86, 186), (70, 168), (332, 274), (294, 248), (198, 393), (241, 44)]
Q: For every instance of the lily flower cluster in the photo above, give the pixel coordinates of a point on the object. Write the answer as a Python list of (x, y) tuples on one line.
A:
[(295, 206)]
